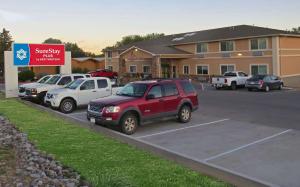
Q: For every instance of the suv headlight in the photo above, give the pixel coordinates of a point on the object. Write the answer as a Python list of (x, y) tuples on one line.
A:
[(112, 109), (33, 90)]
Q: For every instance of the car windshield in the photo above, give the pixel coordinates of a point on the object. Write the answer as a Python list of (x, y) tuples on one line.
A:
[(73, 85), (133, 90), (43, 79), (53, 80)]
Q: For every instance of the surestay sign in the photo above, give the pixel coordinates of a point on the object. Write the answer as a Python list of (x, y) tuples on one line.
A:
[(39, 54)]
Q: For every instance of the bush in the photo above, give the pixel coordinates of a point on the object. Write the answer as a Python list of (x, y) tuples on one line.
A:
[(26, 75)]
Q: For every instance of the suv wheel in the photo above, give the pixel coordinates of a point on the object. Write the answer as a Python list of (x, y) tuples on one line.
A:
[(184, 114), (67, 106), (233, 86), (280, 86), (129, 124)]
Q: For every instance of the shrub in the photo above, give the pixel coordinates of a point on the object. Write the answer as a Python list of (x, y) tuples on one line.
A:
[(26, 75)]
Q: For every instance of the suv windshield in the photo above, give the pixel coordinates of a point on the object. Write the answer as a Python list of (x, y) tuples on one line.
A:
[(54, 79), (133, 90), (73, 85), (43, 79)]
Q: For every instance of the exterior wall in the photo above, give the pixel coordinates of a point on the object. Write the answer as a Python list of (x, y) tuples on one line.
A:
[(139, 65), (191, 48)]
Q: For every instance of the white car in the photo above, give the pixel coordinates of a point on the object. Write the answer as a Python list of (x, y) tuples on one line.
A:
[(37, 92), (79, 93), (231, 79), (23, 87)]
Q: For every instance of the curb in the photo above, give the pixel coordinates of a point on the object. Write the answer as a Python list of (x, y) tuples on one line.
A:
[(205, 168)]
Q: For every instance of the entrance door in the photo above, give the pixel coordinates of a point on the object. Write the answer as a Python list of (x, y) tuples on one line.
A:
[(165, 70), (174, 72)]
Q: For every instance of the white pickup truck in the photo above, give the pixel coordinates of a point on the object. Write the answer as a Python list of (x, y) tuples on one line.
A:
[(38, 91), (79, 93), (23, 87), (230, 79)]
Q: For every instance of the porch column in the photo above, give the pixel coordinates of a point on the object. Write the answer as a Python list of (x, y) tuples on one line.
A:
[(156, 67), (122, 66)]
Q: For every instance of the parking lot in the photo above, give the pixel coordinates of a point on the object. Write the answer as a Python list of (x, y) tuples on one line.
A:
[(253, 134)]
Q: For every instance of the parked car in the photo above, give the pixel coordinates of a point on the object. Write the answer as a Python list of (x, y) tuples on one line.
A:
[(264, 82), (144, 100), (37, 92), (231, 79), (79, 93), (23, 87), (104, 73)]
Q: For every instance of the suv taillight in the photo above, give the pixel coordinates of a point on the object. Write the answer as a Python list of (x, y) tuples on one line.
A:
[(261, 82)]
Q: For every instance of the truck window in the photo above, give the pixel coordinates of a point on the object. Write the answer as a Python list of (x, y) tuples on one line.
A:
[(230, 74), (78, 77), (102, 83), (170, 89), (64, 80), (187, 87), (88, 85)]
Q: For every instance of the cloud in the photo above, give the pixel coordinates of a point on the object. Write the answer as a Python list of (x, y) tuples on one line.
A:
[(10, 16)]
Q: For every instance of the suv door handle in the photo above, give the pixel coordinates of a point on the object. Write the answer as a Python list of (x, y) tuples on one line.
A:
[(94, 91)]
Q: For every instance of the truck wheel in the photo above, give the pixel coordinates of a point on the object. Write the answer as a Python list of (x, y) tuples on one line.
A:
[(233, 86), (280, 87), (267, 89), (184, 114), (67, 106), (129, 123), (250, 89), (41, 97)]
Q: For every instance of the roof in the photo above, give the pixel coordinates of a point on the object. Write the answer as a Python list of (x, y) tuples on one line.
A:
[(165, 44), (82, 59)]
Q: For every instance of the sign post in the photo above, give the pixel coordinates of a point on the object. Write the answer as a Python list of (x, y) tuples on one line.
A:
[(28, 55)]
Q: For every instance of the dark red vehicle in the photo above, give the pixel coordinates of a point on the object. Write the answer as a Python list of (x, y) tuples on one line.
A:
[(144, 100), (104, 73)]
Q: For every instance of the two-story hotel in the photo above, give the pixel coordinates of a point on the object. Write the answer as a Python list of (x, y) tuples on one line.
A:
[(254, 50)]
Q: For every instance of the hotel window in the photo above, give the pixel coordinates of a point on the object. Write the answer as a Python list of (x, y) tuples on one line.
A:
[(146, 69), (109, 54), (227, 46), (227, 67), (186, 70), (259, 69), (202, 70), (202, 48), (110, 68), (258, 44), (132, 69)]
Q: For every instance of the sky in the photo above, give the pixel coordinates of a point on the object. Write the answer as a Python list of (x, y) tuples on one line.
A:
[(95, 24)]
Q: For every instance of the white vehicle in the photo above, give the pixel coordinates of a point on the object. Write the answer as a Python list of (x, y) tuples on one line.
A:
[(79, 93), (38, 91), (231, 79), (23, 87)]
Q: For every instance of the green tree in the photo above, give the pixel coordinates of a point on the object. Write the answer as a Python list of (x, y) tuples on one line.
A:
[(296, 30), (126, 40), (5, 45), (52, 41)]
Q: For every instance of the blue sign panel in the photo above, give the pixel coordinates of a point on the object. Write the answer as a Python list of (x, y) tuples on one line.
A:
[(21, 54)]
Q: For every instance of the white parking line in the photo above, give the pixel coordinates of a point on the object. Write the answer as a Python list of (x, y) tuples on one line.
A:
[(247, 145), (183, 128)]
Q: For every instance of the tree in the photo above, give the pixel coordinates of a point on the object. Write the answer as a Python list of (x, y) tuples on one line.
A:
[(126, 40), (5, 45), (52, 41), (296, 30)]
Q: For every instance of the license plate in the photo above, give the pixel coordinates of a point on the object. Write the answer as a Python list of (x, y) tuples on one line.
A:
[(92, 120), (252, 82)]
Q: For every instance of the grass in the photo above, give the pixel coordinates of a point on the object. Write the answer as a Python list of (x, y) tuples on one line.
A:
[(100, 160)]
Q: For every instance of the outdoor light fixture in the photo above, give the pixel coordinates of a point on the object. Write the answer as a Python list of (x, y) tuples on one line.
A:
[(136, 50), (240, 54)]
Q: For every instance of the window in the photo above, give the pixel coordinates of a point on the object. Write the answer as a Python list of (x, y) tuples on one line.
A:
[(241, 74), (258, 44), (202, 70), (88, 85), (64, 80), (133, 90), (186, 70), (109, 54), (187, 87), (202, 47), (87, 76), (73, 85), (102, 83), (78, 77), (110, 68), (155, 91), (132, 69), (227, 67), (227, 46), (170, 89), (259, 69), (146, 69)]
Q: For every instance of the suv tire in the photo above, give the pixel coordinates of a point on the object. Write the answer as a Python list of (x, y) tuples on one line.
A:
[(67, 106), (129, 123), (184, 114)]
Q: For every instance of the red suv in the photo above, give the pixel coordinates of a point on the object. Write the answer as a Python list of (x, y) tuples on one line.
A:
[(104, 73), (145, 100)]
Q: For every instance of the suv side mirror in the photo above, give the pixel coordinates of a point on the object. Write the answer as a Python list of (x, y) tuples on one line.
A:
[(150, 96)]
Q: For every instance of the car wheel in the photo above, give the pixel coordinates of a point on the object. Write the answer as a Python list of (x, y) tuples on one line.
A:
[(233, 86), (129, 124), (250, 89), (67, 106), (267, 89), (280, 87), (184, 114)]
